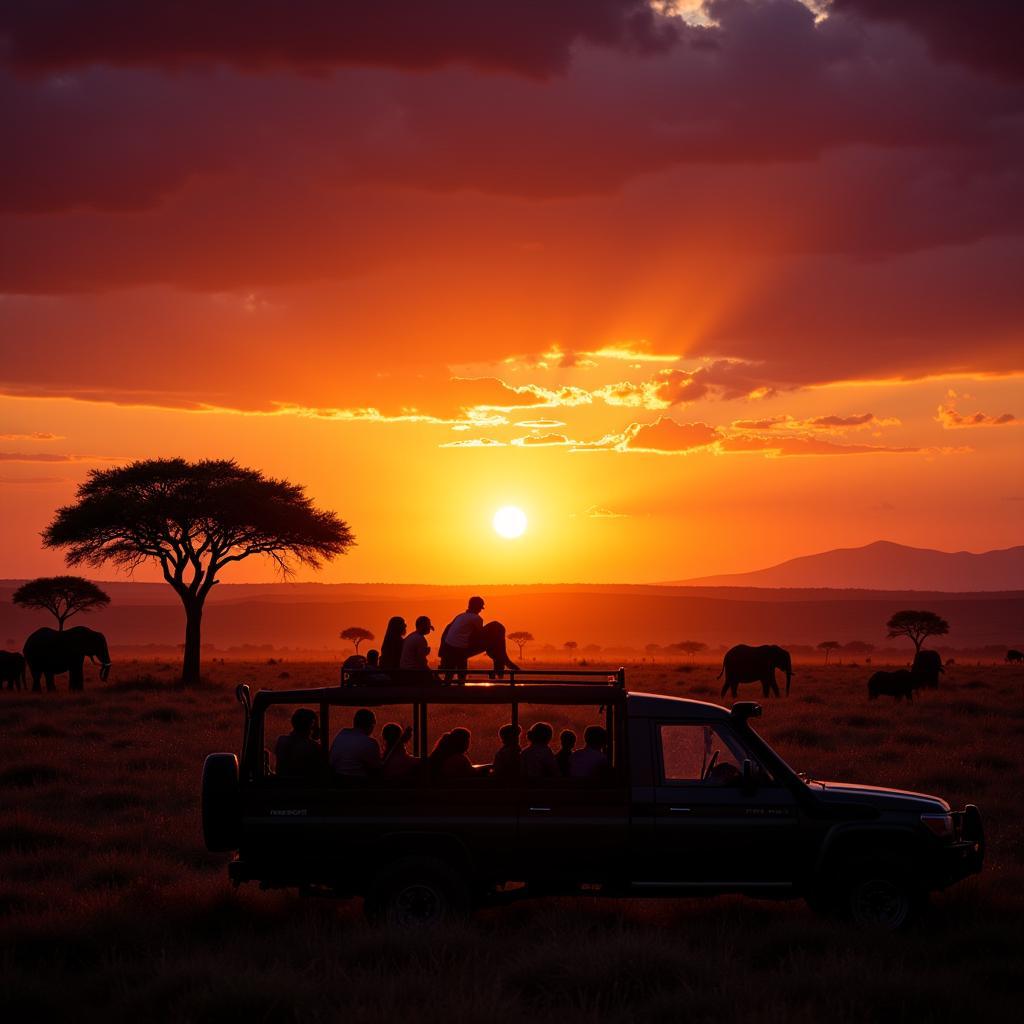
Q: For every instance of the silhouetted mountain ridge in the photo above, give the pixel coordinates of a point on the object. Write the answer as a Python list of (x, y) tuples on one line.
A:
[(885, 565)]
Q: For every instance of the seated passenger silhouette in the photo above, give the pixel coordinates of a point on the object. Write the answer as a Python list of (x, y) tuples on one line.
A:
[(373, 658), (505, 766), (391, 645), (567, 741), (415, 651), (397, 761), (591, 762), (298, 754), (354, 752), (466, 635), (536, 760), (448, 759)]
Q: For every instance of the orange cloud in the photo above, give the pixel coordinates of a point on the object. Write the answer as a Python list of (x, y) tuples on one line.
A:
[(950, 419), (667, 437), (52, 457), (832, 423)]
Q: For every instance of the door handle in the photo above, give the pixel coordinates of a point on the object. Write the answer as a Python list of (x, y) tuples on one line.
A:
[(680, 810), (540, 808)]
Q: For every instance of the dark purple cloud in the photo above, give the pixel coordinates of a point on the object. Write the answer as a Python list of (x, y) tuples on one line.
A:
[(531, 38), (984, 34)]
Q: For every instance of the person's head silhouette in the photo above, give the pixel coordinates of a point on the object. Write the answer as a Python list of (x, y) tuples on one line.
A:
[(304, 722), (364, 720), (476, 604)]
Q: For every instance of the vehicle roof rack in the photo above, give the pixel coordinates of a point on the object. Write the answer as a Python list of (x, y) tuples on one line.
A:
[(372, 678)]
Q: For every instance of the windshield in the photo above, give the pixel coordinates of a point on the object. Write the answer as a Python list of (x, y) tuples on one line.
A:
[(767, 754)]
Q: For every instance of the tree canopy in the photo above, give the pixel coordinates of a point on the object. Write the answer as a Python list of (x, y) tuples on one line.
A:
[(356, 635), (520, 638), (193, 519), (62, 596), (917, 626), (690, 647), (828, 646)]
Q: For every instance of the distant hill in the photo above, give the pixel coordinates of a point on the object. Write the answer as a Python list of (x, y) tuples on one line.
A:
[(308, 617), (886, 566)]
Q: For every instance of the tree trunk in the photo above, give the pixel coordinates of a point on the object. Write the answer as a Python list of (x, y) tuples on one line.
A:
[(190, 667)]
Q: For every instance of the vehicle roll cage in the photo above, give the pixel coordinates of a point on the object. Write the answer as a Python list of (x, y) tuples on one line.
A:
[(570, 687), (486, 677)]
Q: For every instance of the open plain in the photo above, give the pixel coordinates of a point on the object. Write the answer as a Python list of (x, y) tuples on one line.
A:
[(111, 909)]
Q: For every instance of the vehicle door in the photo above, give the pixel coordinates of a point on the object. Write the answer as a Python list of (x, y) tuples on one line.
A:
[(575, 831), (717, 820)]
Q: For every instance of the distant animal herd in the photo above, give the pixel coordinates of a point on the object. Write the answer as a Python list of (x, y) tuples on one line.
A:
[(50, 652)]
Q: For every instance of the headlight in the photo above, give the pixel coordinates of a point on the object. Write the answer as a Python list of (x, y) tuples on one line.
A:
[(939, 824)]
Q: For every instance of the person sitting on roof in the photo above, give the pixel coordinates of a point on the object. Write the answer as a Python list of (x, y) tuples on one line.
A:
[(397, 761), (415, 651), (353, 663), (537, 760), (354, 752), (466, 635), (298, 754), (567, 741), (391, 646), (591, 762), (505, 766)]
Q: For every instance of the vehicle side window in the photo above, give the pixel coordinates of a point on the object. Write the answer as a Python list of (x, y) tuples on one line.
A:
[(700, 755)]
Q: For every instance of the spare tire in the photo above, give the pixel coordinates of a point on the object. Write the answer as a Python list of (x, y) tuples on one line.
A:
[(222, 814)]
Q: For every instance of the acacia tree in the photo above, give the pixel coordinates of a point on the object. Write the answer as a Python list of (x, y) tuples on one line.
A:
[(828, 646), (193, 519), (917, 626), (61, 596), (356, 634), (520, 638), (570, 646), (858, 647), (690, 647)]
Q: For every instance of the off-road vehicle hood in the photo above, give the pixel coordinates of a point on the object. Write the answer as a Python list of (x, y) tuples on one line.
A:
[(879, 798)]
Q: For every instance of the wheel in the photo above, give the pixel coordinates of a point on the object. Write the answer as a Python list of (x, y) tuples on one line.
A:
[(417, 892), (882, 897)]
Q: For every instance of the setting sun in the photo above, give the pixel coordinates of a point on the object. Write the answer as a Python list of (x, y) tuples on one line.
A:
[(509, 521)]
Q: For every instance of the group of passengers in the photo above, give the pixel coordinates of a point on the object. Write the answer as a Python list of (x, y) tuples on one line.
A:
[(354, 753), (465, 636)]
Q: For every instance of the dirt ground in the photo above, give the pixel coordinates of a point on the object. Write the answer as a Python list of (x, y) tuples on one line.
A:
[(110, 908)]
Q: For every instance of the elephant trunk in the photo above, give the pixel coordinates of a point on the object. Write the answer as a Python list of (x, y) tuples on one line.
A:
[(105, 671)]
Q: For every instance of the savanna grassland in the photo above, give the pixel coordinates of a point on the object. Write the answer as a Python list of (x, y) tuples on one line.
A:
[(110, 908)]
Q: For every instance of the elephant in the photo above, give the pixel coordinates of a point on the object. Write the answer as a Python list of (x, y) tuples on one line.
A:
[(12, 670), (50, 652), (743, 664), (1014, 657), (898, 684), (926, 669)]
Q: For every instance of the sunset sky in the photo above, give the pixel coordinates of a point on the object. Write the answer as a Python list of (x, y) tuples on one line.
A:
[(698, 287)]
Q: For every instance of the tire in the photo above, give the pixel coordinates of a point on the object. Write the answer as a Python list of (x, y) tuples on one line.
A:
[(881, 897), (417, 892), (221, 807)]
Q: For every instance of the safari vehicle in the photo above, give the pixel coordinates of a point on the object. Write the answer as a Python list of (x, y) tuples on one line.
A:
[(694, 801)]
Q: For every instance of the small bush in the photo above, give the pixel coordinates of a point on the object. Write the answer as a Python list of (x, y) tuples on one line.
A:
[(24, 775), (161, 714)]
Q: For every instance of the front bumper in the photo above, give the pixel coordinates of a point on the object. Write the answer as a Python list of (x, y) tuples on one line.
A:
[(966, 854)]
